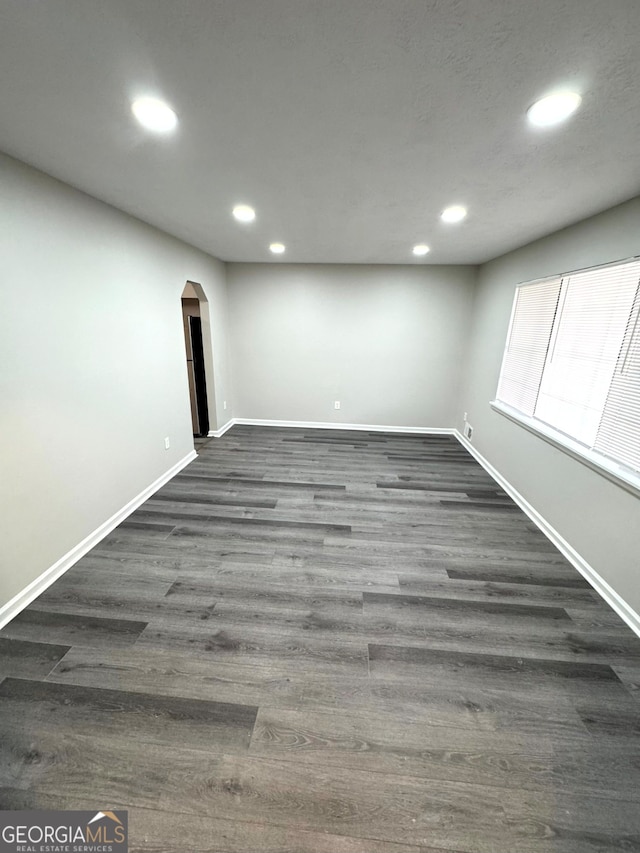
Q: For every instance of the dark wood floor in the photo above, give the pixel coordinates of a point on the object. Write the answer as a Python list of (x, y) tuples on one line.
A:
[(328, 641)]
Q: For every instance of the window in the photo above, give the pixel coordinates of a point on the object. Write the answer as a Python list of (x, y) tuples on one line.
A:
[(571, 367)]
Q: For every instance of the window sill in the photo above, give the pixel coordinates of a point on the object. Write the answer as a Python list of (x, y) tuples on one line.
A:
[(621, 476)]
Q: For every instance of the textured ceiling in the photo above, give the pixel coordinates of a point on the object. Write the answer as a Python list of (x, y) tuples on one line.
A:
[(347, 124)]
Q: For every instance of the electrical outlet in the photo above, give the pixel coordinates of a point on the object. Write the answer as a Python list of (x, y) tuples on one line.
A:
[(336, 405), (468, 431), (167, 443), (465, 417)]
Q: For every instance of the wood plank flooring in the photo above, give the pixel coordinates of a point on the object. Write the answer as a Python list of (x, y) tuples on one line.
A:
[(328, 642)]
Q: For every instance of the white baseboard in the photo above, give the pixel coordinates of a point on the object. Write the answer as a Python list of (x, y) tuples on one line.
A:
[(605, 590), (217, 433), (11, 609), (327, 425)]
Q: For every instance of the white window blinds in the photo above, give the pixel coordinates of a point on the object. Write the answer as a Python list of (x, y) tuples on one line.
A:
[(619, 432), (572, 359), (526, 351)]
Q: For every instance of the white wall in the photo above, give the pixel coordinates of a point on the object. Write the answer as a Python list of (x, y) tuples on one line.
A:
[(383, 340), (93, 367), (598, 518)]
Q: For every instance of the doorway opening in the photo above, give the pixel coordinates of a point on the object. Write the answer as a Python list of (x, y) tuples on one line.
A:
[(197, 338)]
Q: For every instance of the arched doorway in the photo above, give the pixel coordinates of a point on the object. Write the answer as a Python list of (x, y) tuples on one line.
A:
[(197, 335)]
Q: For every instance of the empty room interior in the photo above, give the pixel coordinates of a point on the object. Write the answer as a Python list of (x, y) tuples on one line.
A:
[(320, 405)]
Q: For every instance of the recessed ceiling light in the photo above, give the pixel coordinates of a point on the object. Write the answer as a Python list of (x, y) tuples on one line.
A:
[(553, 109), (455, 213), (420, 249), (154, 114), (244, 213), (277, 248)]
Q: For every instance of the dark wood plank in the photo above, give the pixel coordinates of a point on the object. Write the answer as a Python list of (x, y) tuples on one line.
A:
[(64, 767), (214, 835), (214, 520), (382, 743), (483, 506), (267, 595), (191, 497), (140, 523), (536, 710), (129, 715), (464, 607), (574, 581), (493, 664), (29, 659), (267, 644), (172, 673), (33, 624), (611, 721), (567, 597), (239, 482)]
